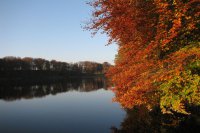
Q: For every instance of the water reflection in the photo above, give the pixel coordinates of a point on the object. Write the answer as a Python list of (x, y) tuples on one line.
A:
[(80, 105), (14, 91), (140, 120), (72, 106)]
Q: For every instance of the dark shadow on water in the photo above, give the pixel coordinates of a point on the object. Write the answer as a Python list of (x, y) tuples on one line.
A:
[(10, 91), (140, 120)]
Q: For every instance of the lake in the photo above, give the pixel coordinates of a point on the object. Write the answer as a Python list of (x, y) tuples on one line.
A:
[(72, 106), (79, 105)]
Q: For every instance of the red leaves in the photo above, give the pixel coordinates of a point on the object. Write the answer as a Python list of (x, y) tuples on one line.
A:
[(150, 50)]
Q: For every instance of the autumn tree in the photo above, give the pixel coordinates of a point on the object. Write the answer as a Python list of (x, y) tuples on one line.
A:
[(158, 60)]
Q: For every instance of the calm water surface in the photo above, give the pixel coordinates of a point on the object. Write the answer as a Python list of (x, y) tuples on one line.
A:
[(80, 106), (74, 106)]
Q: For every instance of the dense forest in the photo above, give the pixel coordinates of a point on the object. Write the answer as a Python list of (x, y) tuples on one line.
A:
[(158, 61), (12, 67)]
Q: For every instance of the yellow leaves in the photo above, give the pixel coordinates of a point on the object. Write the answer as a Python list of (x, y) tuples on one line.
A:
[(180, 90), (191, 26), (174, 2), (188, 17)]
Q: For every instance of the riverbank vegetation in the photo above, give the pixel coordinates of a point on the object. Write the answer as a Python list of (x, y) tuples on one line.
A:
[(158, 61)]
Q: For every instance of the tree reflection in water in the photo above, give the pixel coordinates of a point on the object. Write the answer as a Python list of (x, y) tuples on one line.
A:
[(140, 120), (13, 91)]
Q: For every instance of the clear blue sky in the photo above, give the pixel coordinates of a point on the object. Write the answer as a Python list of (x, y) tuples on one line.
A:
[(50, 29)]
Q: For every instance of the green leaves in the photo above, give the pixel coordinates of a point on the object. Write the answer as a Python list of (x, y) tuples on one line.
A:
[(180, 91)]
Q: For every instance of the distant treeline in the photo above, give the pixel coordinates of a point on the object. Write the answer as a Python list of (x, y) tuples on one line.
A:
[(33, 67)]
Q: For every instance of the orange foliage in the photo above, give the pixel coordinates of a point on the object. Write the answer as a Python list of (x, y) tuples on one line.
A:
[(152, 36)]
